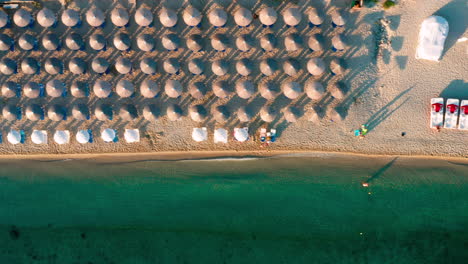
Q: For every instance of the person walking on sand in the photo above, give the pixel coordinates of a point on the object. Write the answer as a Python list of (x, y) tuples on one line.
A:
[(364, 131)]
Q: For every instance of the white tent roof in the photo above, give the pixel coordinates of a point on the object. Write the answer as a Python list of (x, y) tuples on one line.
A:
[(220, 135), (39, 137), (199, 134), (62, 137), (434, 30), (14, 137), (83, 136), (132, 135), (241, 134), (108, 135)]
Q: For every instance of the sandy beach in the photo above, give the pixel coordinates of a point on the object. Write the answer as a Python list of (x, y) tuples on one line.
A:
[(387, 88)]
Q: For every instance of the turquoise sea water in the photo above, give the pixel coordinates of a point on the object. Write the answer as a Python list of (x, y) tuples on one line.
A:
[(272, 210)]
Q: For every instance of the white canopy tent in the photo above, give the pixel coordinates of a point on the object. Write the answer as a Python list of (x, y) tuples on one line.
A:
[(434, 31)]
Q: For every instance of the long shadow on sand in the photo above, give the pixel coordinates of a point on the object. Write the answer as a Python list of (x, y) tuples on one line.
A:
[(456, 13), (381, 171)]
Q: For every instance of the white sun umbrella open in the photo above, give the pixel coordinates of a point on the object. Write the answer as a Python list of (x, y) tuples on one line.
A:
[(120, 17), (221, 89), (170, 41), (103, 112), (334, 115), (146, 42), (71, 18), (6, 42), (83, 136), (173, 88), (268, 66), (168, 17), (32, 90), (293, 42), (39, 137), (339, 42), (46, 17), (97, 41), (219, 42), (125, 88), (197, 113), (11, 112), (268, 42), (338, 91), (74, 41), (22, 18), (267, 114), (220, 67), (221, 113), (55, 88), (53, 66), (244, 66), (77, 65), (337, 66), (4, 19), (29, 66), (338, 19), (108, 135), (244, 42), (316, 66), (291, 90), (197, 89), (244, 114), (268, 16), (14, 137), (315, 17), (217, 17), (34, 112), (132, 135), (151, 112), (122, 41), (62, 137), (194, 42), (292, 16), (123, 65), (95, 17), (80, 112), (8, 66), (243, 17), (128, 112), (10, 89), (27, 41), (102, 88), (291, 114), (143, 17), (148, 66), (192, 16), (174, 112), (51, 42), (291, 67), (199, 134), (196, 66), (56, 113), (149, 88), (171, 66), (313, 116), (314, 90), (220, 135), (315, 42), (268, 90), (241, 134), (245, 89)]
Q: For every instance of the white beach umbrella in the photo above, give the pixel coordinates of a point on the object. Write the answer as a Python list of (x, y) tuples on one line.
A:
[(291, 67), (315, 17), (8, 66), (244, 42), (194, 42), (267, 114), (102, 89), (221, 89), (293, 42), (123, 65), (10, 89), (125, 88), (241, 134), (315, 42), (220, 67), (219, 42), (168, 17), (143, 17), (192, 16), (95, 17), (128, 112), (174, 112), (62, 137), (170, 41), (316, 66), (151, 112), (77, 66), (39, 137), (11, 112), (32, 90), (27, 41), (71, 18), (268, 66), (108, 135), (197, 113), (313, 116), (245, 89), (197, 89), (244, 114), (146, 42), (244, 66), (74, 41), (34, 112), (14, 137), (80, 112), (97, 41), (291, 114), (55, 88), (22, 18), (56, 112), (334, 115), (132, 135), (149, 88), (46, 17), (83, 136), (4, 19), (103, 112), (338, 91), (173, 88), (314, 90), (338, 18), (268, 90), (51, 42), (337, 66), (171, 66), (199, 134), (53, 66), (268, 16), (148, 66), (120, 17), (220, 135), (268, 42), (6, 42), (243, 17), (221, 113), (122, 41), (339, 42), (217, 17), (29, 66), (196, 66), (292, 16), (291, 90)]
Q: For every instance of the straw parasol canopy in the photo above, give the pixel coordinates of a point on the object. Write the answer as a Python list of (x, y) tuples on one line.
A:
[(221, 113), (148, 66), (74, 41), (56, 112), (6, 42), (338, 91), (293, 42), (95, 17), (103, 112), (122, 41), (314, 90), (291, 67), (125, 88), (221, 89), (220, 67), (97, 41), (39, 137), (244, 114), (99, 65), (171, 66), (292, 16), (338, 18), (339, 42), (196, 66), (79, 89), (315, 18), (149, 88), (120, 17), (291, 90), (245, 89), (77, 66), (170, 41), (102, 89), (27, 41), (291, 114), (80, 112), (337, 66), (151, 112), (192, 16), (244, 42), (241, 134), (8, 66), (4, 19), (51, 42), (199, 134), (268, 114), (197, 113), (268, 16), (334, 115), (123, 65), (268, 66), (128, 112), (132, 135), (62, 137), (174, 112), (243, 17), (108, 135), (32, 90), (244, 66), (217, 17), (46, 18), (29, 66), (53, 66), (316, 66), (83, 136), (315, 42), (71, 18), (173, 88), (10, 89), (146, 42), (268, 90), (14, 137), (168, 17), (194, 42), (143, 17), (22, 18), (34, 112), (268, 42), (219, 42), (55, 88), (197, 90)]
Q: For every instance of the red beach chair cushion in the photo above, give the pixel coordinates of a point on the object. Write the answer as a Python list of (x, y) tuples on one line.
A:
[(465, 109), (437, 107), (452, 108)]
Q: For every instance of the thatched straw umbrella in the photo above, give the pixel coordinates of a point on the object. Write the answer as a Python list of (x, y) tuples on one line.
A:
[(293, 42), (292, 16), (22, 18), (315, 17), (291, 67), (268, 42), (291, 114), (10, 112), (56, 112), (291, 90), (149, 88), (245, 89), (104, 112), (197, 113), (46, 17), (143, 17), (243, 17), (120, 17), (171, 41), (146, 42), (194, 42), (338, 91), (334, 115), (148, 66), (34, 112), (244, 42), (95, 17), (221, 113), (4, 19), (124, 88), (53, 66), (102, 89), (171, 66), (27, 41), (339, 42), (51, 42), (217, 17), (29, 66), (197, 90), (74, 41), (268, 114), (77, 66), (244, 114), (122, 41), (6, 42), (221, 89), (8, 66), (174, 112), (196, 66), (151, 112), (55, 88), (268, 90), (244, 66), (79, 89), (192, 16), (219, 42), (315, 42), (338, 19), (71, 18), (337, 66), (168, 17), (268, 66), (10, 89), (314, 90), (32, 90), (173, 88), (128, 112), (123, 65), (220, 67), (100, 65), (80, 112), (316, 66), (268, 16), (97, 41)]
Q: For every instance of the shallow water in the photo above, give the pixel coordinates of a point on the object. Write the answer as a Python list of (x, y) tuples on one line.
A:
[(272, 210)]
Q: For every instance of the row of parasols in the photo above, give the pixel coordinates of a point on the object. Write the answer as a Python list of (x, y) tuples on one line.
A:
[(192, 17)]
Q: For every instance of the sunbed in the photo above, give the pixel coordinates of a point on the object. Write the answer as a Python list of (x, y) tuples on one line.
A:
[(463, 122), (451, 113), (262, 134), (437, 112)]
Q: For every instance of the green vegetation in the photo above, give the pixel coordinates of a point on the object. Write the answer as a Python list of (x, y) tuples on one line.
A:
[(389, 3)]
